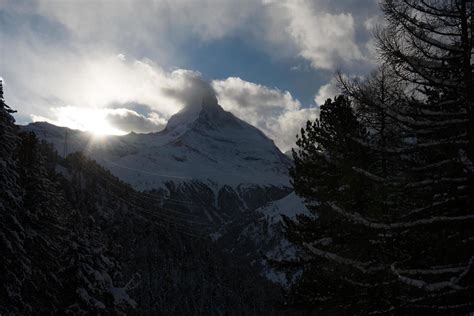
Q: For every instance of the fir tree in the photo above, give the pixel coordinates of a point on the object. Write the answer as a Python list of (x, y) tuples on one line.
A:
[(324, 175), (14, 262), (88, 274), (52, 260), (43, 217)]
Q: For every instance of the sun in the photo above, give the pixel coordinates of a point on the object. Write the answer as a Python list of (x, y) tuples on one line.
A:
[(100, 127), (93, 120)]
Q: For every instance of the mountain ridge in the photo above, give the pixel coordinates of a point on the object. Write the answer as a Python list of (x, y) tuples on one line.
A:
[(207, 164), (227, 150)]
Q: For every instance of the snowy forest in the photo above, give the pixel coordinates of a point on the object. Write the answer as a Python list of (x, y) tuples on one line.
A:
[(386, 172)]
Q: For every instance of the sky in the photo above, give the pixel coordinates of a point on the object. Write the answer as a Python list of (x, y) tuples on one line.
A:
[(112, 67)]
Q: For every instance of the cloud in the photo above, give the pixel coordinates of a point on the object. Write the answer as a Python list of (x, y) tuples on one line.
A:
[(116, 121), (327, 91), (253, 102), (149, 26), (115, 55), (57, 54), (284, 128), (121, 57), (275, 112), (325, 39), (321, 31), (36, 84), (373, 22), (130, 121), (188, 87)]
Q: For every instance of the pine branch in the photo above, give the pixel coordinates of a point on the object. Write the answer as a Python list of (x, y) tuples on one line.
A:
[(359, 219)]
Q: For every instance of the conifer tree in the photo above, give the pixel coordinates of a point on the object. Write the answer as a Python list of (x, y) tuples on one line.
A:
[(90, 271), (374, 99), (429, 44), (52, 261), (418, 214), (324, 175), (13, 260), (88, 274)]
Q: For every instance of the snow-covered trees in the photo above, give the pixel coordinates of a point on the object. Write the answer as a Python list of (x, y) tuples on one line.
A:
[(42, 215), (394, 231), (76, 240), (37, 231), (89, 275), (173, 261), (14, 263), (29, 225)]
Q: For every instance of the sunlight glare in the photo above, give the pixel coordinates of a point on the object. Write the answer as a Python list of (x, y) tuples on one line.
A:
[(93, 120)]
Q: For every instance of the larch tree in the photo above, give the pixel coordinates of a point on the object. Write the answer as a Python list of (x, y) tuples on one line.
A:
[(392, 225), (429, 44)]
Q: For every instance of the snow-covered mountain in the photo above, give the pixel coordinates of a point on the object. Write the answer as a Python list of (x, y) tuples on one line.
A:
[(206, 163), (201, 142)]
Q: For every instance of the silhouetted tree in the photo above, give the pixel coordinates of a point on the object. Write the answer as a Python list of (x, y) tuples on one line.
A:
[(429, 44), (329, 161), (407, 245)]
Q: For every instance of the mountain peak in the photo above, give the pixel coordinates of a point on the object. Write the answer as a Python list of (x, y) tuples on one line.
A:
[(201, 142), (208, 115)]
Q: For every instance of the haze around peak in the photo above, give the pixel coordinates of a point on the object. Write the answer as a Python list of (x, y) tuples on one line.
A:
[(141, 96)]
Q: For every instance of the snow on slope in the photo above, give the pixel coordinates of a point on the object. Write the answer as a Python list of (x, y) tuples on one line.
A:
[(291, 205), (201, 142), (271, 237)]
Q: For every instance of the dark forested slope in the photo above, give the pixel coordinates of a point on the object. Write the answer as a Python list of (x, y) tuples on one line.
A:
[(74, 239)]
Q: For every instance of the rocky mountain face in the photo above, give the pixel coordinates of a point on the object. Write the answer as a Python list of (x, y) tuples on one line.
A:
[(223, 174)]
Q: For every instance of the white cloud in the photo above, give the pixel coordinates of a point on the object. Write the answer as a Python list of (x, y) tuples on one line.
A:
[(373, 22), (325, 39), (97, 58), (119, 22), (94, 80), (130, 121), (253, 102), (327, 91), (103, 120), (53, 35), (70, 87), (310, 28), (283, 129), (121, 57), (275, 112)]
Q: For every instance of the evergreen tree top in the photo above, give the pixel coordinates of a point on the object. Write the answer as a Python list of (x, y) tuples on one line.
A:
[(1, 91), (2, 99)]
